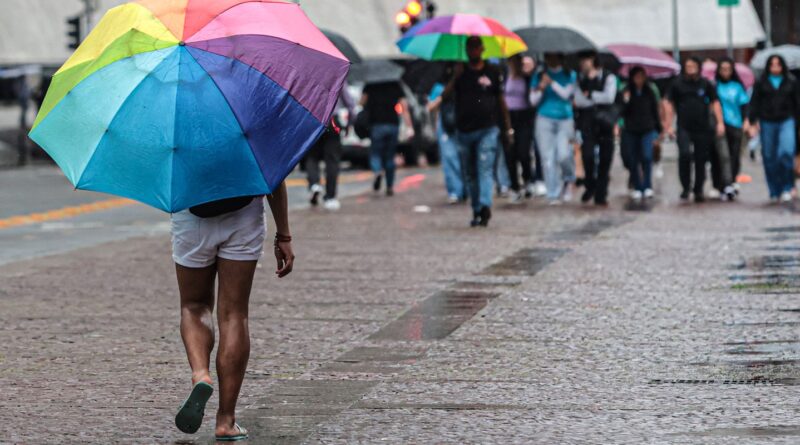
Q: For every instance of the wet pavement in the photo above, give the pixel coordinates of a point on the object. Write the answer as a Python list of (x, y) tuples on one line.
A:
[(665, 323)]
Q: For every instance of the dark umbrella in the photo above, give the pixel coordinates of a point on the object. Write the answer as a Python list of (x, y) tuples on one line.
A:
[(544, 39), (376, 71), (343, 45)]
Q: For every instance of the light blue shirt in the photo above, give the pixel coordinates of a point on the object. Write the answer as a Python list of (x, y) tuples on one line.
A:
[(775, 80), (552, 105), (733, 97)]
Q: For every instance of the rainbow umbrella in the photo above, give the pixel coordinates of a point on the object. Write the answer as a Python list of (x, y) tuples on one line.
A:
[(176, 103), (445, 38)]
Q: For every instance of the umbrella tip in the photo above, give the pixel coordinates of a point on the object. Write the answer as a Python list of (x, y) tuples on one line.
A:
[(182, 43)]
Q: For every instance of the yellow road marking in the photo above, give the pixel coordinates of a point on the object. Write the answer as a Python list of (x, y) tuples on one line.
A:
[(73, 211)]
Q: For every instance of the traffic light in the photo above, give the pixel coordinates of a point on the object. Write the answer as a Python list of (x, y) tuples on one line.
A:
[(409, 16), (74, 32)]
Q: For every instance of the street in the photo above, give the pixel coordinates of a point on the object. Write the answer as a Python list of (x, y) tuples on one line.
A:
[(668, 323)]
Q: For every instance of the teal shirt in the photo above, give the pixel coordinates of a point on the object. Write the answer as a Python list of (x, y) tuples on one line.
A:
[(732, 97), (552, 105), (775, 80)]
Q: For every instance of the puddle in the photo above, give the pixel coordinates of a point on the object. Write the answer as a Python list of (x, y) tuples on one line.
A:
[(757, 431), (770, 262), (526, 262), (785, 229), (588, 230), (436, 317), (750, 381), (640, 206)]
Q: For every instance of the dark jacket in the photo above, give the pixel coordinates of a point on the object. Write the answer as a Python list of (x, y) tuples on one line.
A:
[(641, 111), (770, 104)]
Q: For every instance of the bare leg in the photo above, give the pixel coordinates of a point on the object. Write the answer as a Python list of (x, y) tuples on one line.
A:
[(197, 321), (235, 283)]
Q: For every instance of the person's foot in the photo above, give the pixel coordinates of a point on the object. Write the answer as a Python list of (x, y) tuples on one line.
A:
[(503, 191), (453, 199), (389, 192), (649, 194), (786, 197), (566, 194), (190, 415), (699, 198), (476, 220), (730, 193), (514, 197), (314, 191), (554, 202), (485, 216), (587, 196), (539, 189), (714, 194), (376, 185), (202, 376), (685, 195), (774, 199), (228, 430), (636, 196), (530, 191), (601, 202), (332, 205)]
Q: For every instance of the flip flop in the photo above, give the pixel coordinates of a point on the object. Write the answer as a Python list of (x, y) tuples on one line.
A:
[(236, 437), (190, 415)]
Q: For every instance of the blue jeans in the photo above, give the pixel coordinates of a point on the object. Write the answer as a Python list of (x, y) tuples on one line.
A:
[(501, 173), (479, 151), (383, 149), (777, 149), (558, 157), (639, 150), (451, 164)]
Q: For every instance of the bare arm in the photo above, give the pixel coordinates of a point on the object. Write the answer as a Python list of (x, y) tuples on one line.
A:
[(717, 107), (279, 205)]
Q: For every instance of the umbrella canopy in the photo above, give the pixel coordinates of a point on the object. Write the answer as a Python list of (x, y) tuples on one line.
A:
[(376, 71), (657, 63), (175, 103), (791, 53), (445, 38), (745, 73), (544, 39), (343, 45)]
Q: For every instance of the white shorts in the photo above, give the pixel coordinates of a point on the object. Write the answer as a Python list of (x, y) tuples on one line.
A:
[(237, 236)]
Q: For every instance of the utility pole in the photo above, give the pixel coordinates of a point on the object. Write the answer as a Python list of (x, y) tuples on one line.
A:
[(730, 31), (532, 12), (89, 9), (676, 47), (768, 21)]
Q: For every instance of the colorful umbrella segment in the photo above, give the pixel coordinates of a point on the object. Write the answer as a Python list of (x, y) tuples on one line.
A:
[(746, 75), (445, 38), (176, 103), (657, 63)]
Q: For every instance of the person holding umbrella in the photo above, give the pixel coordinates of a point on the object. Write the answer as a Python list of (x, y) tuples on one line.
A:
[(552, 91), (596, 120), (478, 93), (773, 112), (695, 100)]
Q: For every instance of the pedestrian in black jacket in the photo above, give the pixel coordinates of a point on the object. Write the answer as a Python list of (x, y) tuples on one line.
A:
[(773, 113), (640, 112)]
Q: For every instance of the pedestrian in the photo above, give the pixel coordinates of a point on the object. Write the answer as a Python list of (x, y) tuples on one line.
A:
[(446, 135), (222, 240), (478, 93), (773, 111), (518, 154), (734, 100), (537, 188), (329, 149), (552, 91), (383, 102), (597, 117), (642, 126), (694, 99)]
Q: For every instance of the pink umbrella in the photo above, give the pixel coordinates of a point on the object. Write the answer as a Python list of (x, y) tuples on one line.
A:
[(744, 71), (657, 63)]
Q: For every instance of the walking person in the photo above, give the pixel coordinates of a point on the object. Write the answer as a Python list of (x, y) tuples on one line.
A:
[(734, 100), (382, 100), (518, 154), (537, 187), (478, 93), (552, 91), (773, 111), (642, 126), (695, 100), (446, 136), (329, 149), (222, 240), (596, 120)]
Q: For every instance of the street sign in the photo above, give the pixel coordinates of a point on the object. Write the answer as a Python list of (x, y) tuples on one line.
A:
[(729, 2)]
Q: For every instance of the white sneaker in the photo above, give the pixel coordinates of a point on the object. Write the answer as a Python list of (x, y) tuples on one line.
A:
[(452, 199), (729, 193), (737, 187), (636, 195), (554, 202), (514, 197), (566, 194), (539, 189), (713, 194), (332, 205), (786, 197), (649, 194), (315, 191)]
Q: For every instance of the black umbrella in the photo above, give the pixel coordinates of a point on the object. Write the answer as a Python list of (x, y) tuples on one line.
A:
[(343, 45), (544, 39), (376, 71)]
